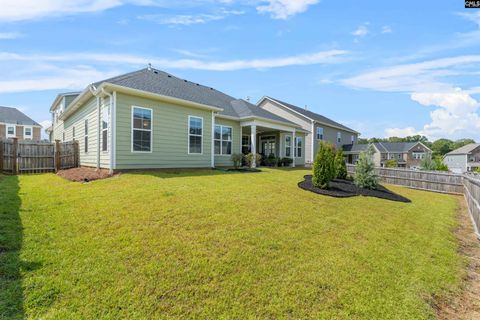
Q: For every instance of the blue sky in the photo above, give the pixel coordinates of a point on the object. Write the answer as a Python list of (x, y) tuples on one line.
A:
[(382, 68)]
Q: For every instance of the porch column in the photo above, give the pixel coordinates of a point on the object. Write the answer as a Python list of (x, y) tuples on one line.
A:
[(294, 149), (241, 141), (253, 139)]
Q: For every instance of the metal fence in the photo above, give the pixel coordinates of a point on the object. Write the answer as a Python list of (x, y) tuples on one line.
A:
[(20, 157), (437, 181)]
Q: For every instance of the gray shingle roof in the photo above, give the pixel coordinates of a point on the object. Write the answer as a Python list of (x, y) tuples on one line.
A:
[(313, 115), (384, 147), (355, 148), (14, 116), (465, 149), (160, 82)]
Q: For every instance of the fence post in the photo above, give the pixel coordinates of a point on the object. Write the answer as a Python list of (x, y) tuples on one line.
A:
[(57, 156), (15, 156), (2, 146)]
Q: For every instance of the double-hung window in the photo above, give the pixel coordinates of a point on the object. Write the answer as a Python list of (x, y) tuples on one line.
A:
[(353, 139), (105, 129), (288, 146), (245, 144), (11, 131), (339, 137), (418, 155), (141, 129), (298, 147), (223, 140), (195, 135), (27, 133), (85, 139), (319, 133)]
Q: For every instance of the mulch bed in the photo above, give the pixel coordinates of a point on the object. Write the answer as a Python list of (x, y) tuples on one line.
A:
[(84, 174), (346, 188), (240, 170)]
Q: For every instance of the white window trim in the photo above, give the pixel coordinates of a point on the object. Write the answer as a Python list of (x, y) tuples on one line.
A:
[(151, 130), (86, 135), (31, 132), (316, 133), (107, 129), (221, 140), (339, 137), (196, 135), (14, 130), (352, 139), (296, 147), (291, 146)]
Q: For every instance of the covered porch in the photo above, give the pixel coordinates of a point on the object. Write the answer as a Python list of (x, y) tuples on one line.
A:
[(268, 138)]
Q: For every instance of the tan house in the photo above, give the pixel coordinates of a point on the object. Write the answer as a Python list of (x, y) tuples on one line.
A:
[(406, 154), (15, 124)]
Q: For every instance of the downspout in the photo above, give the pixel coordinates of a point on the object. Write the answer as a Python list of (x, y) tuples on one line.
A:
[(112, 104), (95, 94)]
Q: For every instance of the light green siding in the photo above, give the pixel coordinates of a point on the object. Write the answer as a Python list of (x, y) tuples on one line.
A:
[(330, 135), (225, 160), (170, 136)]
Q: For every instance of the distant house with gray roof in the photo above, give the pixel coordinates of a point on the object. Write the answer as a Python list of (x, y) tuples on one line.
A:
[(16, 124), (405, 154), (464, 159), (152, 119)]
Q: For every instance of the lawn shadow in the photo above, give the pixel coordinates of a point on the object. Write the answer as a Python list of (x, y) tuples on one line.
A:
[(177, 173), (11, 238)]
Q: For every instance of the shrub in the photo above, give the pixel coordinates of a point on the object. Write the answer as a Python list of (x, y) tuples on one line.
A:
[(340, 165), (324, 166), (428, 164), (392, 163), (271, 160), (237, 160), (440, 166), (286, 162), (477, 170), (249, 158), (365, 176)]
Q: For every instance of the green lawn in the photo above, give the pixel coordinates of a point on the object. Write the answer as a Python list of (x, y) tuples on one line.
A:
[(206, 244)]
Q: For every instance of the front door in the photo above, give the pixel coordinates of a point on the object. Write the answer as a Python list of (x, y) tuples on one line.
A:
[(268, 145)]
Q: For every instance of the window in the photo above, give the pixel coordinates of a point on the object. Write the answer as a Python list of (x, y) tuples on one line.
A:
[(298, 147), (320, 133), (85, 139), (11, 131), (339, 137), (223, 140), (141, 129), (105, 129), (195, 135), (27, 132), (245, 144), (353, 139), (288, 146), (418, 155)]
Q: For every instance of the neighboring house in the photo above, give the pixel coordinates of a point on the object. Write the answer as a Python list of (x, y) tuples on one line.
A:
[(406, 154), (15, 124), (319, 128), (463, 159), (151, 119)]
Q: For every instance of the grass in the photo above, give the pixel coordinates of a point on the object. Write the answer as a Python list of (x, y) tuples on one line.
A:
[(208, 244)]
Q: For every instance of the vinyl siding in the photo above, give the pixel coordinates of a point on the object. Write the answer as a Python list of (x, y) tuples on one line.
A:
[(330, 135), (77, 120), (225, 160), (456, 162), (170, 135)]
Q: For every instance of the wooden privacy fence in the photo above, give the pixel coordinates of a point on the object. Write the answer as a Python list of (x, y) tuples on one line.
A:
[(446, 182), (19, 157)]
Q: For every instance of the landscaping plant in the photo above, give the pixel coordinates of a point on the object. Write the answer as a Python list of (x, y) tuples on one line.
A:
[(392, 163), (440, 166), (365, 176), (286, 162), (428, 164), (237, 160), (340, 164), (324, 166), (249, 158)]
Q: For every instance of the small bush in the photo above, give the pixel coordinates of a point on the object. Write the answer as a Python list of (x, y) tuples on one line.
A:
[(249, 158), (392, 163), (476, 170), (237, 160), (428, 164), (271, 160), (286, 162), (365, 176), (340, 165), (324, 166), (440, 166)]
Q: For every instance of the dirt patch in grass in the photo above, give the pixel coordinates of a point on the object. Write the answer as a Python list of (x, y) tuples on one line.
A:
[(465, 305), (84, 174), (346, 188)]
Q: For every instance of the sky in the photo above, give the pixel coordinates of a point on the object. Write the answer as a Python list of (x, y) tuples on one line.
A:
[(383, 68)]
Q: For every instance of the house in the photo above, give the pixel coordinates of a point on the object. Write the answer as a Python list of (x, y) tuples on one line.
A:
[(464, 159), (15, 124), (152, 119), (406, 154), (318, 127)]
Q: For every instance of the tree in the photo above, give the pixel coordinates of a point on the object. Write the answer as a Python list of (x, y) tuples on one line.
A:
[(340, 164), (324, 166), (439, 165), (442, 146), (428, 164), (392, 163), (365, 176)]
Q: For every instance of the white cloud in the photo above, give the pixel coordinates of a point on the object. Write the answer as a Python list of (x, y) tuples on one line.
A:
[(400, 132), (45, 123), (188, 20), (386, 29), (10, 35), (283, 9), (361, 30)]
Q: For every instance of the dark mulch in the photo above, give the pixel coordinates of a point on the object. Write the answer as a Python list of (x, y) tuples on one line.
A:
[(84, 174), (239, 170), (345, 188)]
